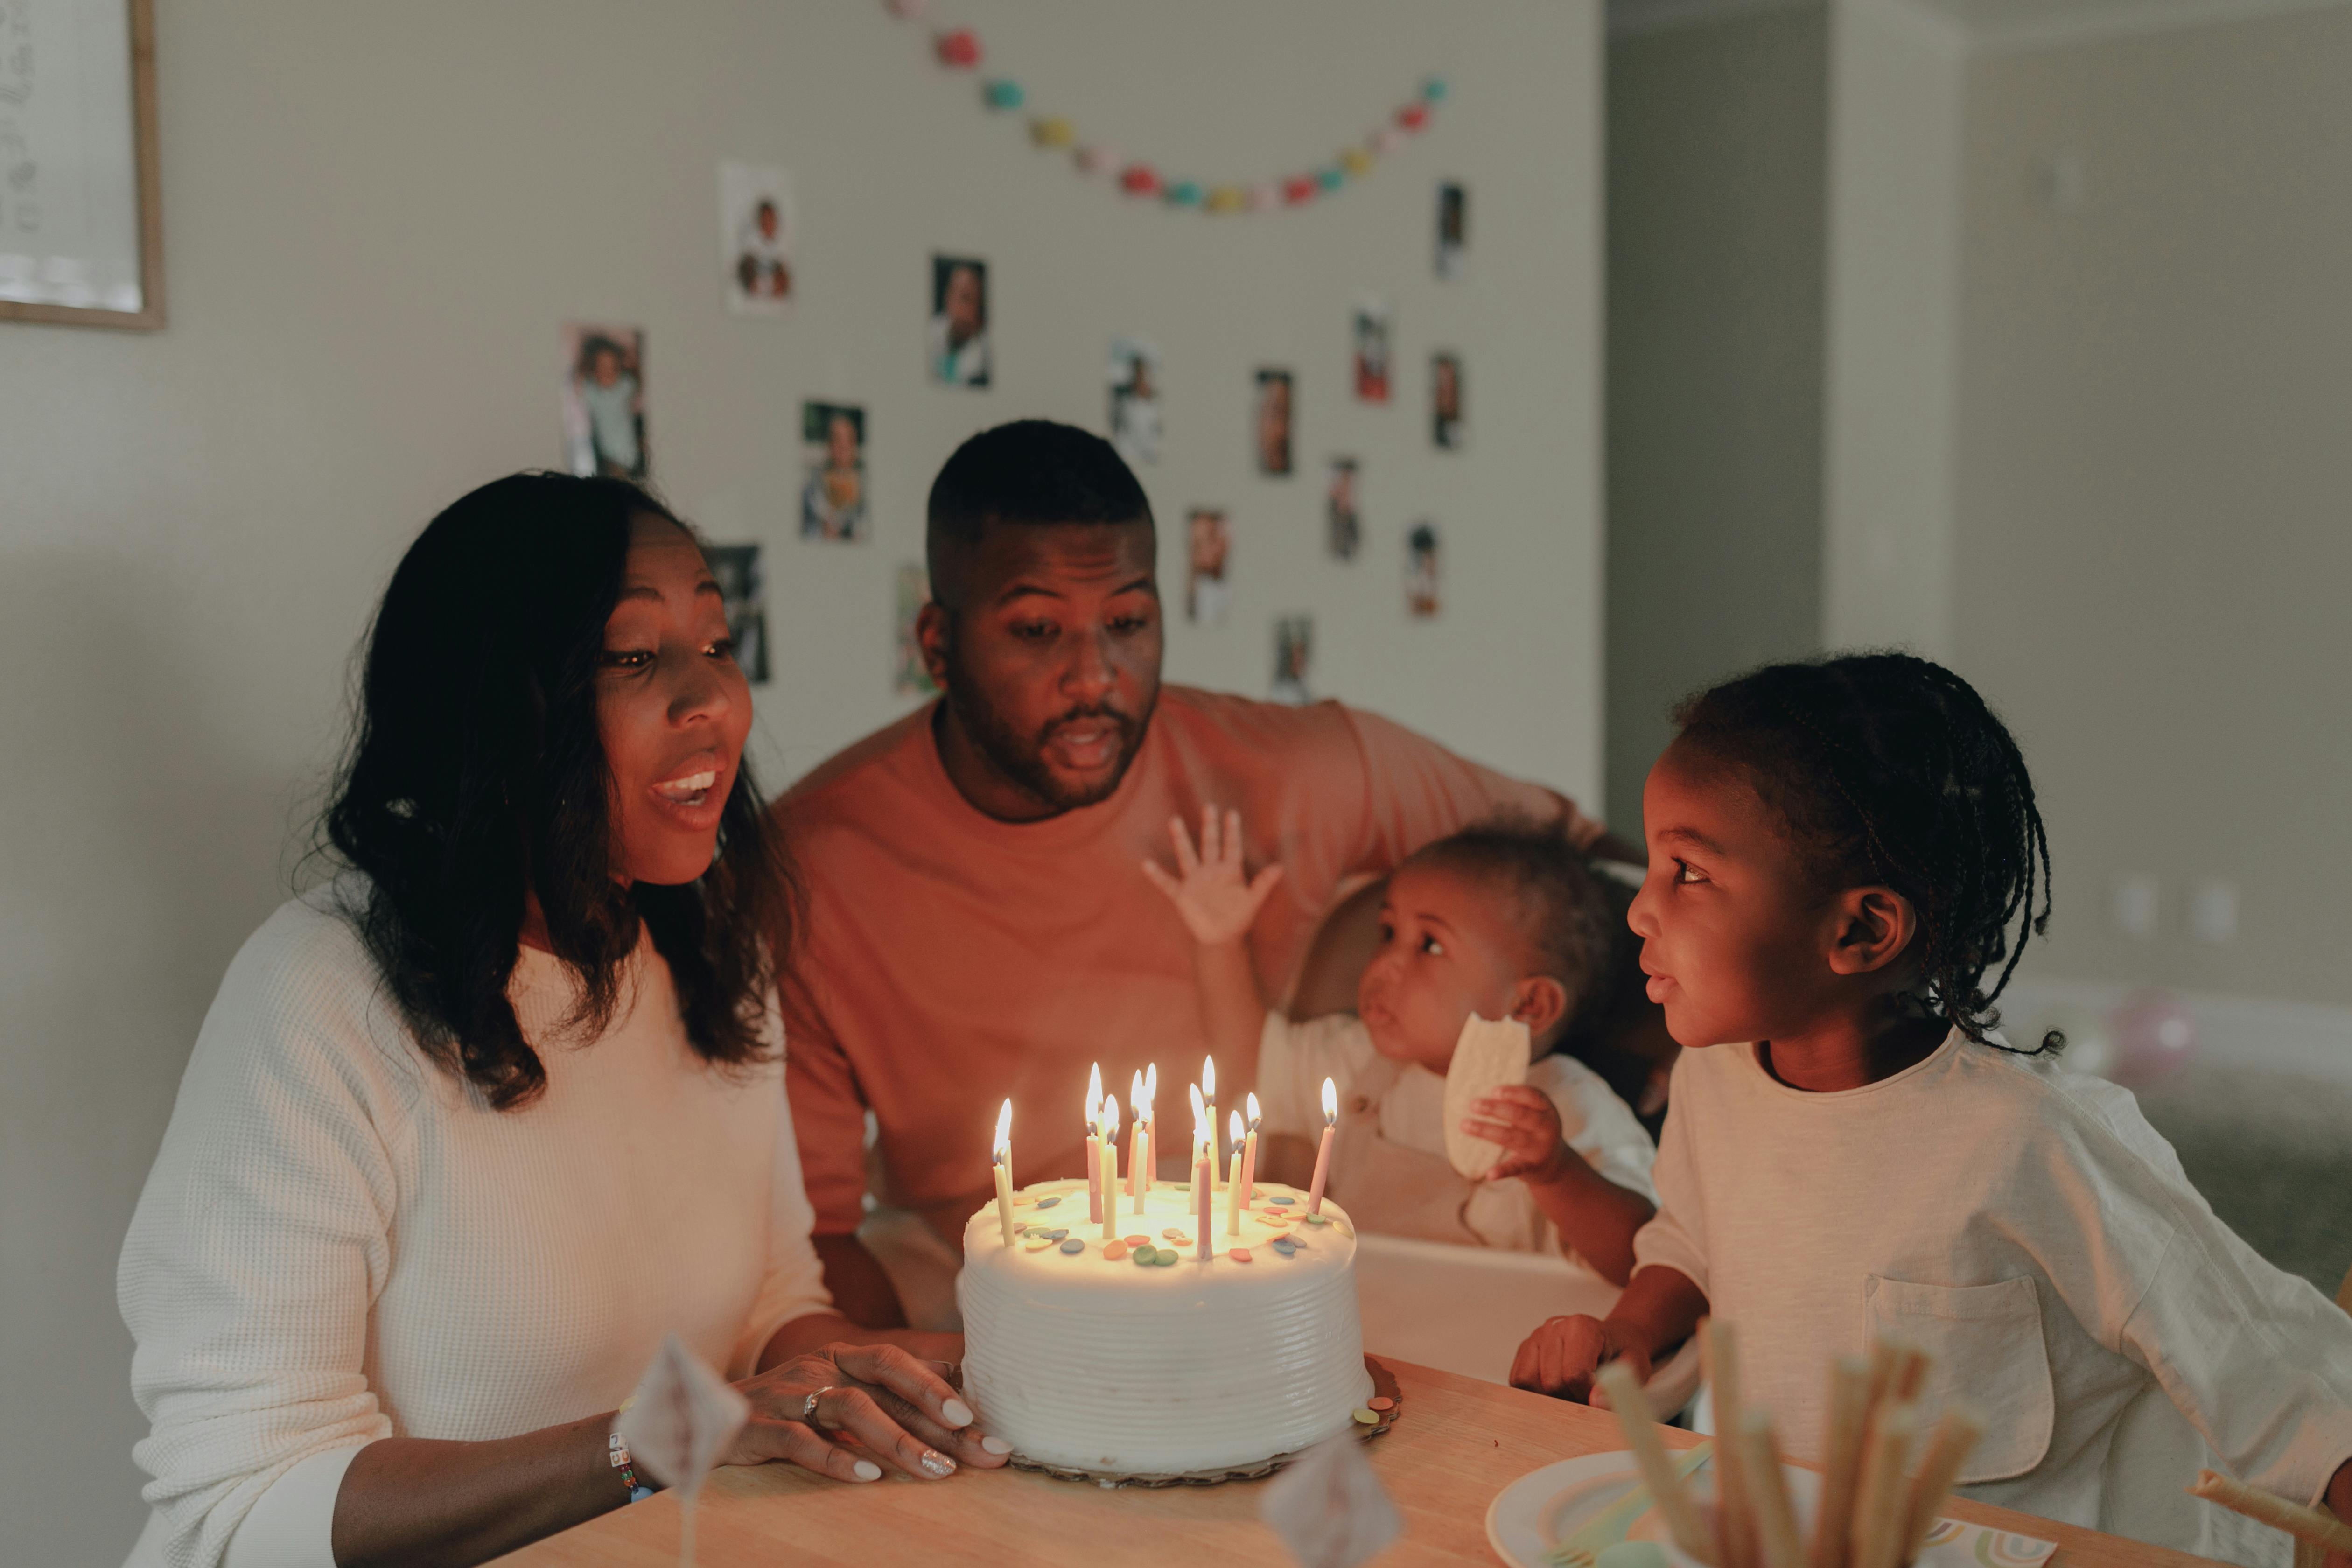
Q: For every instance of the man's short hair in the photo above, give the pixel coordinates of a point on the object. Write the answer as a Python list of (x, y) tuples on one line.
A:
[(1029, 472)]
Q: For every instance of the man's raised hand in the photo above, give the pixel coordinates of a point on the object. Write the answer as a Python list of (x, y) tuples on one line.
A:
[(1217, 898)]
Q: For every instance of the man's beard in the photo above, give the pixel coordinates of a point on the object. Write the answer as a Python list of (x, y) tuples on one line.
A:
[(1021, 758)]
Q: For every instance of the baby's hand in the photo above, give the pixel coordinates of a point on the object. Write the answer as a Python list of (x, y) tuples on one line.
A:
[(1523, 1119), (1217, 900), (1560, 1358)]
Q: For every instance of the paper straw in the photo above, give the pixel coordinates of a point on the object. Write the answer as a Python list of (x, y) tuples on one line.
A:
[(1734, 1507), (1954, 1441), (1880, 1503), (1641, 1427), (2303, 1523), (1767, 1489), (1849, 1408)]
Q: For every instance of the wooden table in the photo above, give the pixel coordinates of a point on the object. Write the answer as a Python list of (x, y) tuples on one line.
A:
[(1457, 1442)]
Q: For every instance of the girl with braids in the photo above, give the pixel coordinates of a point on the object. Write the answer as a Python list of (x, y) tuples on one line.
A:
[(1841, 852), (474, 1124)]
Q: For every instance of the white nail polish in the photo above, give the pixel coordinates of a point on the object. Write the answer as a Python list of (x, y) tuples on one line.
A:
[(996, 1445), (866, 1471), (958, 1413), (937, 1463)]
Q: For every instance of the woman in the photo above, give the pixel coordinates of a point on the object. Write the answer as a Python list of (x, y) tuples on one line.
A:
[(469, 1128)]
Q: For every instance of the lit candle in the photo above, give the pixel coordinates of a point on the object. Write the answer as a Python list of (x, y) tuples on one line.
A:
[(1323, 1154), (1234, 1180), (1135, 1139), (1094, 1144), (1110, 1124), (1208, 1097), (1003, 1162), (1148, 1122), (1249, 1157), (1204, 1169)]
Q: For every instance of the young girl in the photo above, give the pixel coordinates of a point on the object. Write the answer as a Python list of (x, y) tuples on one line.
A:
[(1499, 920), (1838, 853)]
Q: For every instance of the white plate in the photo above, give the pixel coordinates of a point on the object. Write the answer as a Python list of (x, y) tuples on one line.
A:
[(1543, 1507), (1534, 1514)]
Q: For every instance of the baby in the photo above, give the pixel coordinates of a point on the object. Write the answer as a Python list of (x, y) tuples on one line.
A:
[(1500, 921)]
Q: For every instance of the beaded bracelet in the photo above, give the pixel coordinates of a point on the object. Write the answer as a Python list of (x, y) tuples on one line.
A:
[(618, 1455)]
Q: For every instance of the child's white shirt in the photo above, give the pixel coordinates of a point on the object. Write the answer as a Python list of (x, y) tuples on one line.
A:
[(2028, 1228), (1294, 1058)]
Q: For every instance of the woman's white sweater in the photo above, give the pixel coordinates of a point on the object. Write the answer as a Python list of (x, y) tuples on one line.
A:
[(341, 1241)]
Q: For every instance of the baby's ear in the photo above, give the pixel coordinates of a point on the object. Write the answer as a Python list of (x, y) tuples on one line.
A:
[(1540, 1003)]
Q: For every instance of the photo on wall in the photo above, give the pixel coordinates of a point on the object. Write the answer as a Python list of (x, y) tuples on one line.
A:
[(1207, 549), (911, 678), (1445, 401), (1272, 421), (957, 337), (833, 497), (744, 593), (1370, 367), (1135, 399), (605, 400), (1343, 526), (1421, 571), (1294, 653), (1453, 229), (755, 232)]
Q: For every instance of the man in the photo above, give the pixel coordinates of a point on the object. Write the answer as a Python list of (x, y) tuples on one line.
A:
[(980, 925)]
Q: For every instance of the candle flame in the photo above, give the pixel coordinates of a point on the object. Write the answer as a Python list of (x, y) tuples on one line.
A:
[(1109, 1124), (1151, 1085), (1200, 1118), (1094, 1093), (1209, 1079), (1003, 1131), (1253, 1112), (1330, 1104), (1233, 1127), (1134, 1097)]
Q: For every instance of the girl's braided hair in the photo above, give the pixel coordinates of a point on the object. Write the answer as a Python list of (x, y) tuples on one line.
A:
[(1890, 769)]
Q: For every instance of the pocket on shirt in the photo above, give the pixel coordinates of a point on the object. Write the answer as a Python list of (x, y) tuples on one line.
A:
[(1987, 1342)]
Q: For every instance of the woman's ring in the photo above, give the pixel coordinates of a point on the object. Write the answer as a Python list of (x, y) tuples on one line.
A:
[(808, 1406)]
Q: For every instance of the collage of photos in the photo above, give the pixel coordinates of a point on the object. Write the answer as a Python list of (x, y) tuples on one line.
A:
[(1343, 525), (755, 227), (604, 421), (910, 677), (1421, 571), (833, 497), (1445, 401), (604, 401), (1294, 651), (1369, 364), (744, 594), (1135, 400), (1272, 422), (1208, 547), (957, 338)]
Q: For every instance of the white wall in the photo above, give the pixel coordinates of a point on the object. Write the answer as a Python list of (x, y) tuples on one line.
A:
[(376, 220), (1716, 179), (2152, 563)]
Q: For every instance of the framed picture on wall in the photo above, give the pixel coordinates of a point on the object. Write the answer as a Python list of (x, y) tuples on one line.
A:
[(81, 238)]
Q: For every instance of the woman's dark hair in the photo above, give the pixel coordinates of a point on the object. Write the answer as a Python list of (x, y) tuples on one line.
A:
[(1562, 913), (475, 774), (1890, 769)]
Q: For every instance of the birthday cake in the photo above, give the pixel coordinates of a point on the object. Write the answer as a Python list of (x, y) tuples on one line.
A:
[(1133, 1356)]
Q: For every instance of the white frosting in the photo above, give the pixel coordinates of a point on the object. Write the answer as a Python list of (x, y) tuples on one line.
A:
[(1086, 1362)]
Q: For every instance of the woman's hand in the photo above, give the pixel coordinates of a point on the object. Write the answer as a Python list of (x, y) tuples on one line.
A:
[(1523, 1119), (1560, 1358), (1217, 900), (875, 1403)]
